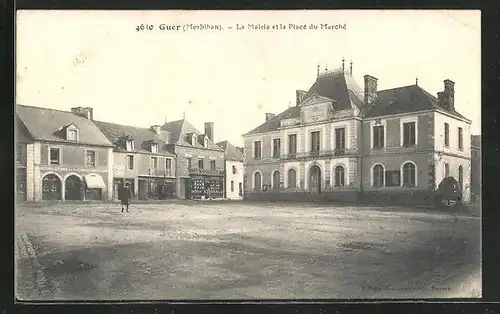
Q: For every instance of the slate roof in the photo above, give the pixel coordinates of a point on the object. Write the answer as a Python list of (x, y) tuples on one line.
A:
[(404, 99), (45, 124), (232, 152), (274, 123), (342, 88), (141, 136), (178, 131)]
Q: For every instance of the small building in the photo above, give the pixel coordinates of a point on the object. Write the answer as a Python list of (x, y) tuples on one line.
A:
[(475, 174), (200, 162), (142, 160), (235, 171), (61, 155)]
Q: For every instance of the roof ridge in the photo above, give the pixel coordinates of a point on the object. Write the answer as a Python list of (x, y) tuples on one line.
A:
[(125, 125), (45, 108)]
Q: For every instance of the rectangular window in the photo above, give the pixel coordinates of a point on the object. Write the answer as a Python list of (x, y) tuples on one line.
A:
[(130, 145), (200, 163), (378, 136), (72, 135), (54, 156), (168, 166), (154, 148), (340, 138), (409, 135), (90, 158), (460, 138), (315, 143), (232, 186), (292, 144), (257, 150), (276, 148), (130, 162), (446, 134), (154, 163), (212, 164), (19, 153)]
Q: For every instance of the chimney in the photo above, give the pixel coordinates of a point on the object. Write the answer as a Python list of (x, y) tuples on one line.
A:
[(448, 96), (370, 89), (86, 112), (269, 116), (156, 128), (209, 130)]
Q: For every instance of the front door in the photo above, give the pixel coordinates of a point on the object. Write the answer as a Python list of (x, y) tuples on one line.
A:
[(117, 184), (73, 188), (315, 180)]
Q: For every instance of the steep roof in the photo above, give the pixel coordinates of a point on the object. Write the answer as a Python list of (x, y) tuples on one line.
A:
[(274, 123), (46, 124), (232, 152), (179, 130), (141, 136), (404, 99), (340, 87)]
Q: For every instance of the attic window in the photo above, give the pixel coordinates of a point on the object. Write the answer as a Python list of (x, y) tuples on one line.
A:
[(72, 133), (130, 145), (205, 142), (234, 170), (154, 148), (193, 140)]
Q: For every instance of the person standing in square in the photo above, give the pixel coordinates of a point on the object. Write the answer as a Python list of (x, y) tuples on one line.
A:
[(125, 195)]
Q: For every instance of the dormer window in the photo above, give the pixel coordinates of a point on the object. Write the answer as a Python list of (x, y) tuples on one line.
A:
[(130, 145), (154, 147), (205, 142), (193, 140), (71, 133)]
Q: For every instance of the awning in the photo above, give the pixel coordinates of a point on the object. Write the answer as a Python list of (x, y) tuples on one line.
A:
[(94, 181)]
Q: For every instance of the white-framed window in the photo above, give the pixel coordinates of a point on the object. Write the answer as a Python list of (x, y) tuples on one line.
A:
[(446, 134), (90, 158), (460, 138), (130, 145), (339, 176), (168, 166), (378, 136), (72, 134), (315, 142), (378, 176), (275, 184), (409, 174), (292, 178), (292, 144), (193, 140), (205, 142), (153, 163), (409, 132), (340, 138), (154, 148), (257, 181), (200, 163), (257, 150), (54, 156), (276, 147), (130, 162)]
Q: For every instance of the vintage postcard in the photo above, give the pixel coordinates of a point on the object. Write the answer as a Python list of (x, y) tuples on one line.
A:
[(248, 155)]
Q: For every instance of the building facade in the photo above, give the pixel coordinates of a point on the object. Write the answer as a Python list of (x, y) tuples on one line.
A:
[(141, 160), (61, 155), (235, 171), (475, 177), (200, 162), (341, 142)]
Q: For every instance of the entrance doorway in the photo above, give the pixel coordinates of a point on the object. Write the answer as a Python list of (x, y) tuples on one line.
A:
[(315, 179), (51, 187), (73, 188)]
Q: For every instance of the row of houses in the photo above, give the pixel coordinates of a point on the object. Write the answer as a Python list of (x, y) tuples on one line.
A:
[(67, 155), (343, 142)]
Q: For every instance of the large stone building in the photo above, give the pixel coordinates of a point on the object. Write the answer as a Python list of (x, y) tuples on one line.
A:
[(142, 160), (342, 142), (200, 162), (61, 155), (235, 171)]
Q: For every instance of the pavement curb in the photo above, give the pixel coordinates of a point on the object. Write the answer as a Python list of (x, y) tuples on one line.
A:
[(26, 250)]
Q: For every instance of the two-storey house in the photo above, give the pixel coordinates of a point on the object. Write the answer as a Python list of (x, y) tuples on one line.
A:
[(200, 162), (345, 143), (235, 171), (62, 155), (312, 147), (142, 160)]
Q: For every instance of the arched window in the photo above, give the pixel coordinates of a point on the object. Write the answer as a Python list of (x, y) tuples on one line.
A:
[(378, 176), (409, 174), (339, 176), (276, 180), (446, 170), (461, 176), (257, 181), (292, 178)]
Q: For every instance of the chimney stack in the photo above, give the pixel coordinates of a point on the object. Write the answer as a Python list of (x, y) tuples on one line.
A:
[(156, 128), (269, 116), (370, 89), (209, 130), (449, 94), (86, 112)]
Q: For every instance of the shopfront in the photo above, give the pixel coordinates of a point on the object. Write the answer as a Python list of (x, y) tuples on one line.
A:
[(156, 188), (201, 183)]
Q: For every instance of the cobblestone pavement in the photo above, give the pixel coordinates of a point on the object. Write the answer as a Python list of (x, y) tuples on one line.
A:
[(244, 251)]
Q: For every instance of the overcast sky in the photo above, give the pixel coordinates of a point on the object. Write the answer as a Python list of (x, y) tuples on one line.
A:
[(98, 59)]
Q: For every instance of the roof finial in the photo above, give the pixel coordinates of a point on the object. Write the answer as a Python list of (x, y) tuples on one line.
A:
[(184, 115), (326, 67), (343, 67), (416, 81), (351, 68), (318, 69)]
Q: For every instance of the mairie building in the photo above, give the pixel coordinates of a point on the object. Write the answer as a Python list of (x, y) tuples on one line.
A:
[(346, 143)]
